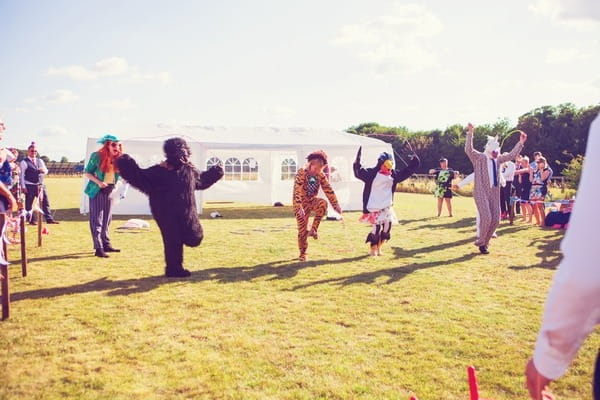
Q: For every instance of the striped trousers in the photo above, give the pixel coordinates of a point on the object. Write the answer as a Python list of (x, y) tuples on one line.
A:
[(319, 207), (100, 217)]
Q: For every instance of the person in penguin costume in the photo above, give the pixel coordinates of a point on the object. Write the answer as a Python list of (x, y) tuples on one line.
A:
[(378, 193)]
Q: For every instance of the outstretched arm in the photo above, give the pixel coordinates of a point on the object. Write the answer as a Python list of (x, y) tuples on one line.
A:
[(132, 173), (515, 151), (413, 164), (209, 177)]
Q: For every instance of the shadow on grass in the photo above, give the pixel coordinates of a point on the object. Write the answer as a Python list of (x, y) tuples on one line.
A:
[(228, 212), (71, 256), (73, 214), (548, 252), (254, 212), (278, 270), (451, 224), (399, 252), (393, 274)]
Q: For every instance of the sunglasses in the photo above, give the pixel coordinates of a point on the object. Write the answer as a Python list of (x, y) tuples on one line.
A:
[(115, 145)]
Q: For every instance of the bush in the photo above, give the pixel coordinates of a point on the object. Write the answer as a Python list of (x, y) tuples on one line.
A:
[(573, 171)]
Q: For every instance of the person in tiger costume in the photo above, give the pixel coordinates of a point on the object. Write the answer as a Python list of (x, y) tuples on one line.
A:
[(306, 187)]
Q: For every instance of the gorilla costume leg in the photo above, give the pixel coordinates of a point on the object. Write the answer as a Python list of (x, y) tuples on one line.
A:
[(173, 246)]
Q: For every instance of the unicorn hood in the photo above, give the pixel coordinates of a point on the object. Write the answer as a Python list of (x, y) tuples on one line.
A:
[(492, 147)]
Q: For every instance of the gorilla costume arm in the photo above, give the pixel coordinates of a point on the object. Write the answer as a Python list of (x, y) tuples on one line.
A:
[(139, 178), (207, 178)]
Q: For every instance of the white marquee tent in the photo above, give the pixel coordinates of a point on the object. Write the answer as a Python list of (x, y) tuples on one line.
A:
[(260, 163)]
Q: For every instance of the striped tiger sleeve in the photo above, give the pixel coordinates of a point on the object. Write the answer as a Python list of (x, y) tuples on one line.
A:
[(328, 190)]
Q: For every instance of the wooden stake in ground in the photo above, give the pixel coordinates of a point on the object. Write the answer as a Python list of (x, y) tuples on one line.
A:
[(40, 197), (23, 243), (4, 274), (39, 226)]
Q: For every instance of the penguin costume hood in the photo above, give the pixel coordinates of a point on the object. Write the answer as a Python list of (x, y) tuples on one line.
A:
[(384, 163)]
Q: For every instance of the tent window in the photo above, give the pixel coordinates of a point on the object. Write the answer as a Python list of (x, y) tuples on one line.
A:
[(233, 170), (249, 170), (288, 169), (213, 161)]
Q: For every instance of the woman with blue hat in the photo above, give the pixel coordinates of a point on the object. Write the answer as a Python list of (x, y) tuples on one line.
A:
[(103, 174)]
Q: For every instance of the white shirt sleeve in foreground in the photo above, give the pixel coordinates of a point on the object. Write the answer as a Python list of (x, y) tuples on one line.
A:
[(466, 180), (573, 305)]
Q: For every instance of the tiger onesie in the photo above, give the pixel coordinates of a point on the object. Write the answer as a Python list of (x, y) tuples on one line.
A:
[(305, 201)]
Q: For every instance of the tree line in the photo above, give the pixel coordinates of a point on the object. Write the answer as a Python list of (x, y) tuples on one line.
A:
[(23, 154), (558, 132)]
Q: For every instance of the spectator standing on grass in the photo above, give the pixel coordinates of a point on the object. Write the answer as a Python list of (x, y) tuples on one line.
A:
[(103, 174), (33, 170), (523, 173), (572, 308), (443, 190), (539, 189), (516, 193), (536, 157), (508, 173)]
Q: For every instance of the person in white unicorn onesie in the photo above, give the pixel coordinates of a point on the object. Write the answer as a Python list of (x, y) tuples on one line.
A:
[(486, 192)]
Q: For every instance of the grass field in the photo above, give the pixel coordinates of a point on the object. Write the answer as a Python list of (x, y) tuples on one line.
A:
[(253, 323)]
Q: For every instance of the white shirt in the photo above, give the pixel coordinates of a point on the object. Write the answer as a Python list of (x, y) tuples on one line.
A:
[(573, 305), (6, 154), (509, 171), (490, 165), (41, 166), (466, 180), (381, 195)]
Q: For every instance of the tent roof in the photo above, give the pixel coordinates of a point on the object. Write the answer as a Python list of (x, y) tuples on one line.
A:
[(267, 137)]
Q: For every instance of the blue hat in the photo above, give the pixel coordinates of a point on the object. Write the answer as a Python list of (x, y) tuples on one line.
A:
[(106, 138), (384, 156)]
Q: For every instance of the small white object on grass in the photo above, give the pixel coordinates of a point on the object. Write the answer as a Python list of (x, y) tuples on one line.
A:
[(135, 224)]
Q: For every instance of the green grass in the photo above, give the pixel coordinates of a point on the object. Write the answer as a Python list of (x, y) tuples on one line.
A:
[(253, 323)]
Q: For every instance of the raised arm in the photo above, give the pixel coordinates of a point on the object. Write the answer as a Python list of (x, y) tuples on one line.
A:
[(471, 152), (209, 177), (515, 151), (359, 171)]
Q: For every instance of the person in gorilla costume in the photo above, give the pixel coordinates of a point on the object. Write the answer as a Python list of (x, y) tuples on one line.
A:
[(170, 187)]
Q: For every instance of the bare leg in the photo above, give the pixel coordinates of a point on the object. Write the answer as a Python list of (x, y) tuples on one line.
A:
[(449, 206), (440, 200)]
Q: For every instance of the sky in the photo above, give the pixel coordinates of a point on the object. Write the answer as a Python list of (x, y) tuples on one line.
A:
[(70, 70)]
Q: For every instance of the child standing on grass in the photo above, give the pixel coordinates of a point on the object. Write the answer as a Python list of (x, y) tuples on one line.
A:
[(443, 189), (306, 187)]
